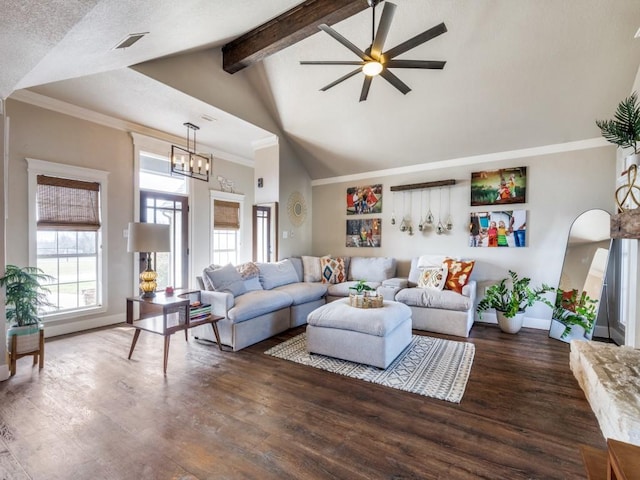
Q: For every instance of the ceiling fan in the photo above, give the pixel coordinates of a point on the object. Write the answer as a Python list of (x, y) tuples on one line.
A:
[(373, 61)]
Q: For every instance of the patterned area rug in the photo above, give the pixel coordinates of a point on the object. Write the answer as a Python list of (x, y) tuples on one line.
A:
[(432, 367)]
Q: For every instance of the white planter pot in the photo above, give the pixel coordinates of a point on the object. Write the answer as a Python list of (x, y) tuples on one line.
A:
[(633, 159), (28, 338), (510, 324)]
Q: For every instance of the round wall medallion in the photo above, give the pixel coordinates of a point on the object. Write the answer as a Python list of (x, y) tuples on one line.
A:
[(297, 209)]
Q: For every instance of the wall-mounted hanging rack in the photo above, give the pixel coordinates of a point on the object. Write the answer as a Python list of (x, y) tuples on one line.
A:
[(418, 186)]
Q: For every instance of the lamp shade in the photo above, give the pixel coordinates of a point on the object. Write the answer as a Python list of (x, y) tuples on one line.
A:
[(149, 237)]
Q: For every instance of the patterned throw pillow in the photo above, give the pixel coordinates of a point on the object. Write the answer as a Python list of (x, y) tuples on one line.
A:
[(248, 270), (333, 270), (459, 273), (433, 278)]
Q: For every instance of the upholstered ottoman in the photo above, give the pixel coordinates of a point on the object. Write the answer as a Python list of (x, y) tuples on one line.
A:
[(374, 336)]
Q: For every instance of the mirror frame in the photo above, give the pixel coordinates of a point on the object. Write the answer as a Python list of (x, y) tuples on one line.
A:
[(570, 313)]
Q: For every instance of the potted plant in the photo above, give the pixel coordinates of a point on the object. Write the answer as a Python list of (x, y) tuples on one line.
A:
[(25, 297), (362, 298), (510, 303), (572, 312), (624, 129)]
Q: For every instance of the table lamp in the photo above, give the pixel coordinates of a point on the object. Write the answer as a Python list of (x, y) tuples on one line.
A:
[(148, 238)]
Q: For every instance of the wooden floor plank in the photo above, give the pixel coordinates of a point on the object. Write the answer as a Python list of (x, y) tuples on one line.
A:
[(91, 413)]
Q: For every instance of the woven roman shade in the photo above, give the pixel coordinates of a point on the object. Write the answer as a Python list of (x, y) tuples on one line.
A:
[(226, 215), (65, 204)]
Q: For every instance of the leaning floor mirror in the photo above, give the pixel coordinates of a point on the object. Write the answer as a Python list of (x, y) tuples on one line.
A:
[(582, 280)]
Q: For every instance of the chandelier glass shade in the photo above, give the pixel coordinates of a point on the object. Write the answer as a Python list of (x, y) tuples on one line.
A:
[(186, 161)]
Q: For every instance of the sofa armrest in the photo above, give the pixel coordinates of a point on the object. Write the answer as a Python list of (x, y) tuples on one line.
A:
[(221, 302), (388, 292), (469, 290), (396, 282)]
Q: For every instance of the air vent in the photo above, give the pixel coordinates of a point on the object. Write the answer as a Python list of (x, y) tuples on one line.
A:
[(208, 118), (129, 40)]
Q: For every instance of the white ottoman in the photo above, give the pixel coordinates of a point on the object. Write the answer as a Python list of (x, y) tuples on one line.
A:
[(374, 336)]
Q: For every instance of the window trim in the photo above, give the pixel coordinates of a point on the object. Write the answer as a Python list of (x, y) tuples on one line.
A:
[(41, 167), (225, 196)]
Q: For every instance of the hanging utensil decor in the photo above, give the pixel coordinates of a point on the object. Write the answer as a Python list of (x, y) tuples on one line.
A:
[(410, 222), (403, 224), (440, 227), (393, 213), (449, 224), (420, 224), (430, 219)]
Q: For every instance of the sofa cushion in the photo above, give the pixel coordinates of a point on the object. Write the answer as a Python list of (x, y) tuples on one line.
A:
[(312, 268), (256, 303), (303, 292), (226, 279), (433, 277), (428, 261), (459, 273), (342, 289), (273, 275), (425, 297), (372, 269), (297, 265), (333, 270)]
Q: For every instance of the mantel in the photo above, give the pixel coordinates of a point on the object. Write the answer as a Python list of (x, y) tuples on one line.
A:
[(420, 186), (626, 224)]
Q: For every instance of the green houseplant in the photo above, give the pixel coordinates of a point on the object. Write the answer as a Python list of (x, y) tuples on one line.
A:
[(363, 296), (572, 311), (25, 297), (624, 129), (361, 287), (510, 303)]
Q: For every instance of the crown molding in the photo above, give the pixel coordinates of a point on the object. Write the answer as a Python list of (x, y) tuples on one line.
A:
[(42, 101), (471, 160), (270, 141)]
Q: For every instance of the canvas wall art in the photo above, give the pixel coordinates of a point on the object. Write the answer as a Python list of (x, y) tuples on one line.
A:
[(367, 199), (364, 233), (508, 185), (498, 229)]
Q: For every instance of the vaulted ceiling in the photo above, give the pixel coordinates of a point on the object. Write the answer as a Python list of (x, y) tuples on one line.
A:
[(518, 75)]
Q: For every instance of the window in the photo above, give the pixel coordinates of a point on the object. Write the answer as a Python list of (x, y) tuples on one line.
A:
[(225, 238), (67, 225)]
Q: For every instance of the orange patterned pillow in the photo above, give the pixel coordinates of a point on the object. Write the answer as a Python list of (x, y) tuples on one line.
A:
[(333, 270), (459, 273)]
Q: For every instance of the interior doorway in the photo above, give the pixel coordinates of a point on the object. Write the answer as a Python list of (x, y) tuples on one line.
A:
[(265, 232)]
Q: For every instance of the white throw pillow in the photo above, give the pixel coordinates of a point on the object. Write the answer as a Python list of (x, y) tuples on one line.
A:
[(433, 278), (312, 268), (430, 261)]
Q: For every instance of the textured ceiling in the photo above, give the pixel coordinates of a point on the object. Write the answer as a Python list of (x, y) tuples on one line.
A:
[(519, 74)]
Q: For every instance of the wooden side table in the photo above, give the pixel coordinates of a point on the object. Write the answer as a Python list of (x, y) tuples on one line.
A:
[(621, 461), (167, 315)]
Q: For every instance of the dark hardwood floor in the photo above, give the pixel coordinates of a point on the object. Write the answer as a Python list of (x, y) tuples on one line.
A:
[(93, 414)]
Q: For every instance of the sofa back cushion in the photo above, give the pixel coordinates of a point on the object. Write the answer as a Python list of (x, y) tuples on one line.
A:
[(273, 275), (372, 269), (225, 279), (250, 274), (297, 265)]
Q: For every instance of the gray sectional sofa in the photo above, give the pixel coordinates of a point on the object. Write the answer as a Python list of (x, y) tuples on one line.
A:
[(263, 299)]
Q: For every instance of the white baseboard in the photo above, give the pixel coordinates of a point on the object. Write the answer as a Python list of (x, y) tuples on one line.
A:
[(62, 328), (529, 322)]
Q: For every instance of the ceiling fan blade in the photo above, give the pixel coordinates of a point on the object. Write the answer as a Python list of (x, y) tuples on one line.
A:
[(365, 88), (429, 64), (330, 62), (326, 28), (383, 29), (395, 81), (341, 79), (415, 41)]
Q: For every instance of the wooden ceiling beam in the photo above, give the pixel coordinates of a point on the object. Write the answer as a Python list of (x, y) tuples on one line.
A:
[(283, 31)]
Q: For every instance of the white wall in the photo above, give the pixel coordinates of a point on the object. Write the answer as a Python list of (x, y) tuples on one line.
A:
[(4, 369), (559, 188)]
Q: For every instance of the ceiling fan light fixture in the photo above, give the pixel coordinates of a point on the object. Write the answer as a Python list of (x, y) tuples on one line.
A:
[(372, 69)]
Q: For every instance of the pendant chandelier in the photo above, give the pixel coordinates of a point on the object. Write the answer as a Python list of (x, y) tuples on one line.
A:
[(187, 161)]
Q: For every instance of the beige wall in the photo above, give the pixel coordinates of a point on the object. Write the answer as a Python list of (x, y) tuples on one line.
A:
[(560, 187), (4, 369), (46, 135)]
